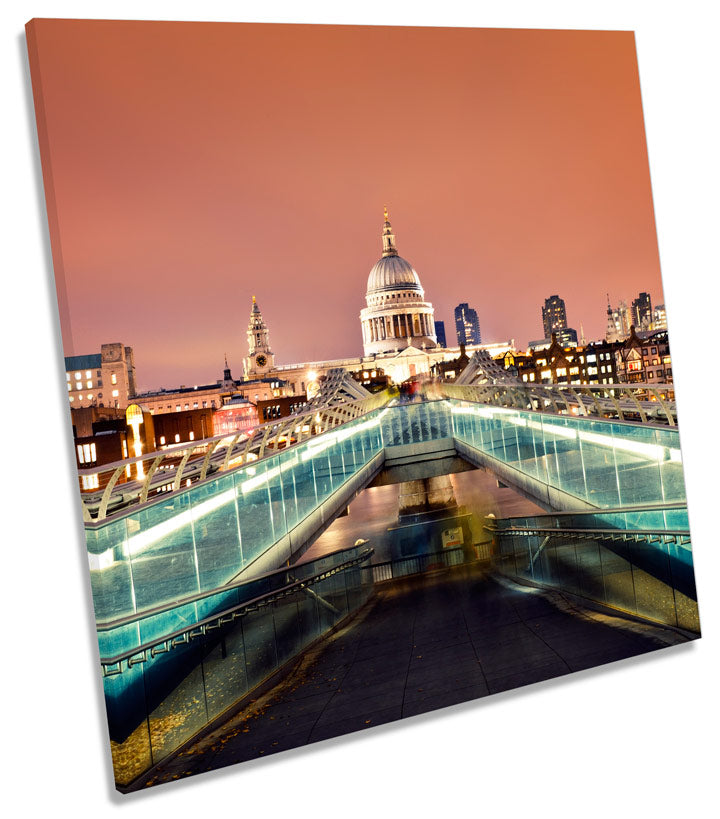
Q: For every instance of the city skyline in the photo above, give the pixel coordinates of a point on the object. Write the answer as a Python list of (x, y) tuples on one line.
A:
[(194, 185)]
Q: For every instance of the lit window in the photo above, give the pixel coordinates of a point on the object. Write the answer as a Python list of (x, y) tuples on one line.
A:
[(546, 374), (177, 438), (113, 378), (67, 375), (78, 376), (187, 406), (80, 454), (561, 371), (69, 385), (574, 370), (651, 375), (192, 435), (591, 358), (88, 374), (124, 449), (204, 403), (71, 398), (592, 370), (115, 393), (89, 385), (89, 397), (195, 405), (162, 440), (90, 482), (532, 376), (79, 397)]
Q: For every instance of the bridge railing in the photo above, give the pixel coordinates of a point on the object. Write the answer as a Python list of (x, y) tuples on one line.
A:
[(636, 560), (646, 403), (168, 674), (113, 487)]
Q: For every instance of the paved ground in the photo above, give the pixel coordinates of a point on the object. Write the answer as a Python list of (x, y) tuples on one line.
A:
[(424, 643)]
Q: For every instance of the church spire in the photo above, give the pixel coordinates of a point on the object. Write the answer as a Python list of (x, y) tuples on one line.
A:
[(388, 237)]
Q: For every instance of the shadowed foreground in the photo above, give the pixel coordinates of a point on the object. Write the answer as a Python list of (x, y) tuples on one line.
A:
[(423, 643)]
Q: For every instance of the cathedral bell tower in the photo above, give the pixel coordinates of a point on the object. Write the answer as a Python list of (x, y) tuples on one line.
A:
[(260, 359)]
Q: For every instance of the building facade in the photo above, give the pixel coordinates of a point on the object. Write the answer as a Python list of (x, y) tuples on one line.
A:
[(397, 315), (554, 316), (467, 325), (641, 311), (104, 379)]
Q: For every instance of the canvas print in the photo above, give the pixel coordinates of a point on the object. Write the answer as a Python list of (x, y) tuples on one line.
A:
[(368, 370)]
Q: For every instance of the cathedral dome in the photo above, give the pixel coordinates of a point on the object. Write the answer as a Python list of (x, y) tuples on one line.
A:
[(392, 273)]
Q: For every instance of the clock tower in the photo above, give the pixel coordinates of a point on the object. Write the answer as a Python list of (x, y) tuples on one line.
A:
[(260, 359)]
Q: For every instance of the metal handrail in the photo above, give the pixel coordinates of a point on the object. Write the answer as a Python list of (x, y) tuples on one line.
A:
[(584, 397), (256, 443), (160, 645), (670, 535), (645, 507)]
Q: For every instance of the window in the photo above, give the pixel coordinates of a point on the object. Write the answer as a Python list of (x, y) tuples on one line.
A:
[(651, 374), (645, 352), (88, 374), (634, 366), (78, 376), (592, 370), (187, 406), (561, 371), (89, 385), (532, 376), (79, 397), (546, 374), (592, 358), (90, 482), (115, 393), (204, 404), (177, 438), (162, 440), (89, 397), (71, 398), (192, 435), (113, 378), (177, 407), (195, 405), (654, 351), (69, 385), (525, 378), (124, 449), (67, 375), (574, 370)]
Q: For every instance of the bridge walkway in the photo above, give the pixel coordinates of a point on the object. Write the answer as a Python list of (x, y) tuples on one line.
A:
[(421, 643)]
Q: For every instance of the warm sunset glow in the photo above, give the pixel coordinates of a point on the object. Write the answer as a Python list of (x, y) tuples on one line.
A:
[(194, 165)]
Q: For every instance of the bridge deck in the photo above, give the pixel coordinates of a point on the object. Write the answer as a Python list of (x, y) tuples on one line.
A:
[(423, 643)]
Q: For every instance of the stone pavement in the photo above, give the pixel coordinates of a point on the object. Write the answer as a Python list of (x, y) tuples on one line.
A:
[(422, 643)]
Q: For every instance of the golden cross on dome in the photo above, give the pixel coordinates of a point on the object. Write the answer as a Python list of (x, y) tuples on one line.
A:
[(386, 213)]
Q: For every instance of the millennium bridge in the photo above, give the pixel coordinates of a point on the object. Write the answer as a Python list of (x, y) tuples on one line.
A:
[(204, 601)]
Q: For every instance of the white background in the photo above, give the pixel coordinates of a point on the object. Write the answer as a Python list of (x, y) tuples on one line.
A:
[(639, 738)]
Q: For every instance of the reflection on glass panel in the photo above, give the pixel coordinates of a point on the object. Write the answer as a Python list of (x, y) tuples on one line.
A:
[(161, 547)]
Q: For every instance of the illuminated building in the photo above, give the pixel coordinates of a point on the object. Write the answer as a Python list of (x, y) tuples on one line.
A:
[(236, 415), (397, 315), (104, 379), (554, 316), (260, 359), (641, 311), (467, 325), (659, 317), (645, 360)]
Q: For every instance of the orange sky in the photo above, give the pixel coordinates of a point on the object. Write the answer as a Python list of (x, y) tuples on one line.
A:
[(189, 166)]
